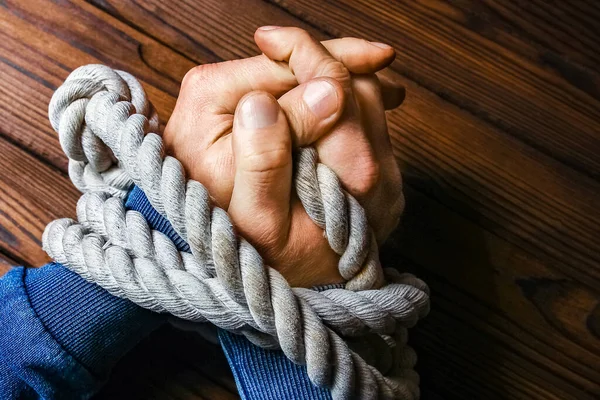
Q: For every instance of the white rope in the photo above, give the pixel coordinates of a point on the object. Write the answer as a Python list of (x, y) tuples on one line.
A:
[(105, 125)]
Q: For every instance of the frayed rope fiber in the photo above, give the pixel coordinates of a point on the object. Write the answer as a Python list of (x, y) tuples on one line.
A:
[(107, 128)]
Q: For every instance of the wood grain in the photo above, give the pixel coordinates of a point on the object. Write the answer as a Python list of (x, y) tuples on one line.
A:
[(486, 79), (486, 76), (497, 140), (31, 195), (6, 263), (40, 48), (544, 35)]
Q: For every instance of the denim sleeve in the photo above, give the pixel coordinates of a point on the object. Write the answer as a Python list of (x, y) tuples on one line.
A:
[(267, 374), (61, 335)]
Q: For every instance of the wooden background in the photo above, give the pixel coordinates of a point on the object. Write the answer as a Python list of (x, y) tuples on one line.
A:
[(499, 142)]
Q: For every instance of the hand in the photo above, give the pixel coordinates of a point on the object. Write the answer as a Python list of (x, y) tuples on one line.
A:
[(358, 149), (198, 134)]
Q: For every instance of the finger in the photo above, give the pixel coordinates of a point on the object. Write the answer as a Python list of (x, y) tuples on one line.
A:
[(306, 57), (370, 103), (219, 87), (393, 92), (346, 150), (222, 85), (389, 190), (260, 201), (312, 109), (360, 56)]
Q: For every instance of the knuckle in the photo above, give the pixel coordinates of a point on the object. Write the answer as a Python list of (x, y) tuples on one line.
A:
[(294, 119), (372, 82), (388, 222), (398, 208), (197, 88), (368, 176), (219, 166), (336, 70), (301, 122), (364, 42), (301, 34), (262, 161), (194, 77), (266, 238)]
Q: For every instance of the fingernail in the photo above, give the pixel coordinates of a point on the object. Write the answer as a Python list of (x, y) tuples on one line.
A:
[(269, 28), (381, 45), (258, 111), (321, 98)]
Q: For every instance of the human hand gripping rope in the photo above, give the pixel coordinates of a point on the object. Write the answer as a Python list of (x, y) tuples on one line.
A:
[(107, 128)]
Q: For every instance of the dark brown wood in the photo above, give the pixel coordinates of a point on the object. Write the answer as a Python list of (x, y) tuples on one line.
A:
[(6, 263), (498, 140), (496, 84), (40, 47), (31, 194)]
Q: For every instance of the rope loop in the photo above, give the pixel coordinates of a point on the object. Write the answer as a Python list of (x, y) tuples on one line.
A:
[(108, 129)]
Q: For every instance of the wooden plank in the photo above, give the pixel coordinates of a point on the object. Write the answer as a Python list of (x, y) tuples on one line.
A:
[(489, 299), (201, 19), (476, 74), (464, 70), (491, 181), (193, 27), (31, 195), (546, 33), (39, 47), (6, 263)]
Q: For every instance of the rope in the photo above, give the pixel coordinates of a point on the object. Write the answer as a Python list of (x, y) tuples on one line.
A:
[(105, 125)]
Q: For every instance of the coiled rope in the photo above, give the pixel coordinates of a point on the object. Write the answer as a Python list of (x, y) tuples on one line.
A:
[(107, 127)]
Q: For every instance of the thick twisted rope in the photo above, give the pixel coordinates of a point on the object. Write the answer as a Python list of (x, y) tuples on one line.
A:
[(104, 123)]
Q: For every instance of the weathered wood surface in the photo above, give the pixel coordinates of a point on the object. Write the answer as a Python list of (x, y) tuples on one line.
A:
[(498, 139)]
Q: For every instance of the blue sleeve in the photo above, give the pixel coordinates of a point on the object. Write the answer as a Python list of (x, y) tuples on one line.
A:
[(61, 335), (267, 374)]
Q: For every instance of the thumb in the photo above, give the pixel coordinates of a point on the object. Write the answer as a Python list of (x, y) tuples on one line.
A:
[(262, 149)]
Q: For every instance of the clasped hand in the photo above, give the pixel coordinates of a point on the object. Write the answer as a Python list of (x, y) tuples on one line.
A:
[(236, 124)]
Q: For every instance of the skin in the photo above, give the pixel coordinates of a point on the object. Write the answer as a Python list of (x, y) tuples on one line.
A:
[(236, 124)]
